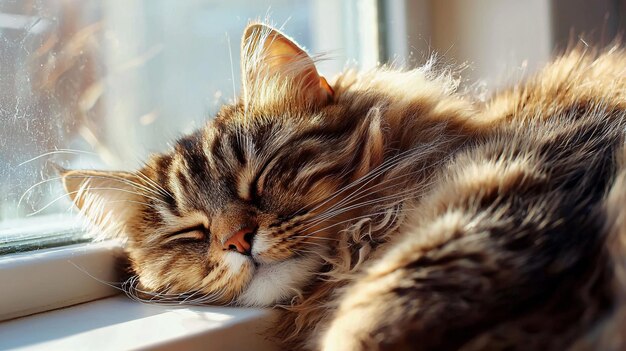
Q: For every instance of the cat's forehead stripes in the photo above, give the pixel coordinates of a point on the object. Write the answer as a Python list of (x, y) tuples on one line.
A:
[(231, 161), (178, 181), (184, 172), (194, 158), (210, 168), (208, 139), (245, 179), (160, 166)]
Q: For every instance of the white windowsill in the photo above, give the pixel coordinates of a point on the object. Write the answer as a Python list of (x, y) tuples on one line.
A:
[(44, 280), (117, 323)]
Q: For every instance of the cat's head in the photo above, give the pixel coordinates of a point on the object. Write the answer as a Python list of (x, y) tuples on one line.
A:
[(240, 210)]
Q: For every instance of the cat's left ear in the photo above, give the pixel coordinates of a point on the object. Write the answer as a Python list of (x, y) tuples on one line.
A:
[(276, 69), (109, 199)]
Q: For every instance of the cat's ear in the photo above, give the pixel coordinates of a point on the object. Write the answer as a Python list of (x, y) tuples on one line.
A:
[(275, 68), (109, 199)]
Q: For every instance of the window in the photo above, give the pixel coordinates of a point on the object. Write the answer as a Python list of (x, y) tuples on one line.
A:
[(101, 84)]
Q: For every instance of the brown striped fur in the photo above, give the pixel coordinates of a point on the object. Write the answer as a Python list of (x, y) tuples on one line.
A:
[(390, 211)]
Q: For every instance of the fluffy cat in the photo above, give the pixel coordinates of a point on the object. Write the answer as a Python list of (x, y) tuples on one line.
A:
[(384, 210)]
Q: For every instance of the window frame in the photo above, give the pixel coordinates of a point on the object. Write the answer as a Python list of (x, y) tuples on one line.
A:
[(48, 279)]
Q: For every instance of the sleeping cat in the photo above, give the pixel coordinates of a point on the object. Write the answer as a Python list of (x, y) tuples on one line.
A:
[(383, 210)]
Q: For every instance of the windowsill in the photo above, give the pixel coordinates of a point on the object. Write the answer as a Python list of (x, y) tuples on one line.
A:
[(117, 323), (44, 280)]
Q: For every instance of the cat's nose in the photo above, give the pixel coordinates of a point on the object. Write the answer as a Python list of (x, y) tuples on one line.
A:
[(241, 241)]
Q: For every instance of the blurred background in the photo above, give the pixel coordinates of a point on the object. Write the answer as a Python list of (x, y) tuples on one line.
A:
[(101, 84)]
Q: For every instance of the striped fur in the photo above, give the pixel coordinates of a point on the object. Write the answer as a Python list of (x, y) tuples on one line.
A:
[(390, 211)]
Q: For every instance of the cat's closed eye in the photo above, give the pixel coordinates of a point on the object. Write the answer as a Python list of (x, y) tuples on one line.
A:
[(188, 234)]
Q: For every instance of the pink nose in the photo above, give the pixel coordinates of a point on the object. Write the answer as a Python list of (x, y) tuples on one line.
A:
[(241, 241)]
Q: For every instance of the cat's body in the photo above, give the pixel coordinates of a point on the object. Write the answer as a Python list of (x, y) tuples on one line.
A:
[(384, 211)]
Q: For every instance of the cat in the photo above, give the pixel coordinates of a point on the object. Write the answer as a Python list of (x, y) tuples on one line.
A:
[(384, 210)]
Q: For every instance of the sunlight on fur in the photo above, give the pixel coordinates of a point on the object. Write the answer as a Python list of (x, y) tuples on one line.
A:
[(385, 210)]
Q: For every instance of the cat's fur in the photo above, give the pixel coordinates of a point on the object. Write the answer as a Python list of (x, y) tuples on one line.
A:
[(389, 211)]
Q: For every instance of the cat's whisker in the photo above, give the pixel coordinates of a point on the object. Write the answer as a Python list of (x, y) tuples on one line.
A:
[(130, 287), (114, 285), (334, 224), (56, 152), (232, 67), (52, 203), (391, 164), (325, 216), (314, 237), (385, 166), (347, 205), (366, 178), (311, 235), (210, 297), (150, 195), (323, 246), (192, 295), (373, 190), (122, 180), (303, 252), (19, 202), (69, 194), (370, 192), (134, 184), (154, 184), (130, 202)]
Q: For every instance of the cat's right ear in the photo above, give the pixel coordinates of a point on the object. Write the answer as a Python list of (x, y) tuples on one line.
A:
[(276, 69), (109, 199)]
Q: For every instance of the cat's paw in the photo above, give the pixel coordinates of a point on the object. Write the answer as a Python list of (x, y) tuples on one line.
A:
[(351, 331), (367, 318), (348, 332)]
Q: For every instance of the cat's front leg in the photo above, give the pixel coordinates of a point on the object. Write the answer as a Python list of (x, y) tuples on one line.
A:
[(427, 293)]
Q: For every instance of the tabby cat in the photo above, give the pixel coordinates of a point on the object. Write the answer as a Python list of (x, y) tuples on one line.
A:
[(384, 210)]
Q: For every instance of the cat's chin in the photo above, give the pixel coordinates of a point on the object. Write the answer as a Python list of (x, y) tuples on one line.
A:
[(278, 282)]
